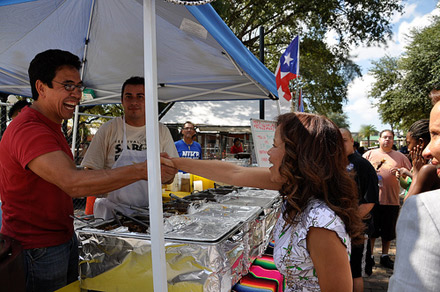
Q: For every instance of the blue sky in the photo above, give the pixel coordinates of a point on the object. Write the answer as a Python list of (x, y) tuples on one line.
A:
[(359, 108)]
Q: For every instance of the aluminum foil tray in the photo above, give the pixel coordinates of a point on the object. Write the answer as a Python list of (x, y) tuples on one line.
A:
[(120, 263), (233, 199), (199, 228), (216, 210), (250, 192), (207, 249), (192, 227)]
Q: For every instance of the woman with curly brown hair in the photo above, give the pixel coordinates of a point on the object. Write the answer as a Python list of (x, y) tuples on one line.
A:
[(319, 215)]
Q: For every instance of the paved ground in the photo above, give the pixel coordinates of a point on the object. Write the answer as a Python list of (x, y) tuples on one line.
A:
[(378, 281)]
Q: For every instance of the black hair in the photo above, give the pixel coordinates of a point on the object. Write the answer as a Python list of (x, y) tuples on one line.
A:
[(380, 134), (236, 139), (17, 107), (189, 122), (420, 129), (45, 65), (134, 80)]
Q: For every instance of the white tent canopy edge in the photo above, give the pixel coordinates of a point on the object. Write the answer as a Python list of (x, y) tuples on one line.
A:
[(199, 58)]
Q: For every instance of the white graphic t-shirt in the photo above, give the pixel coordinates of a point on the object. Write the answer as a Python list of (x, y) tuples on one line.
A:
[(106, 145)]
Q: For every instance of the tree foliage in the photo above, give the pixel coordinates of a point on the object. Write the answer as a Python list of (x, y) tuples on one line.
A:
[(402, 86), (340, 119), (387, 90), (325, 70), (367, 131)]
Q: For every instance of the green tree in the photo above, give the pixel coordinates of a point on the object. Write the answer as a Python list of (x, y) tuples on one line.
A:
[(341, 120), (367, 131), (387, 90), (421, 64), (325, 70), (402, 86)]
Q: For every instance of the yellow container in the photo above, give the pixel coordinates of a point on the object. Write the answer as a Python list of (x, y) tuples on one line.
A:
[(207, 183), (72, 287)]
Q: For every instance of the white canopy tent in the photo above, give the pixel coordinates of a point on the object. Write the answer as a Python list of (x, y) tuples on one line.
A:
[(185, 53), (198, 57)]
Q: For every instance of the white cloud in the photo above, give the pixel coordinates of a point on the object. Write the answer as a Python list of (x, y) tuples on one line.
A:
[(331, 38), (396, 45), (359, 108), (235, 113), (408, 12), (224, 113), (418, 22)]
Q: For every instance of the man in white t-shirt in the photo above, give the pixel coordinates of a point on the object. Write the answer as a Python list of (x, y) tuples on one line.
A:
[(119, 143)]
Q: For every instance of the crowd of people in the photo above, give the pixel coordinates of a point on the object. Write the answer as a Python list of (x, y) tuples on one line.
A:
[(337, 200)]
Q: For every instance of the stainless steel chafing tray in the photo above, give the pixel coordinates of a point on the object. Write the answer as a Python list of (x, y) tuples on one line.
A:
[(208, 249), (204, 252), (119, 263), (260, 230)]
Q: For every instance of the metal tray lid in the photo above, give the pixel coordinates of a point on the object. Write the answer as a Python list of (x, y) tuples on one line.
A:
[(261, 193), (182, 228), (199, 228), (233, 199), (217, 210)]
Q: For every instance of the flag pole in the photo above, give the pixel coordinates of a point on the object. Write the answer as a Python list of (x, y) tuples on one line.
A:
[(292, 104), (297, 91)]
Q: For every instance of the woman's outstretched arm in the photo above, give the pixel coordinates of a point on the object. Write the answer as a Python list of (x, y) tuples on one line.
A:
[(229, 173)]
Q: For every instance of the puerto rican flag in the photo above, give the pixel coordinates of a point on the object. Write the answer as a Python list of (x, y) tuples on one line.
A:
[(287, 69)]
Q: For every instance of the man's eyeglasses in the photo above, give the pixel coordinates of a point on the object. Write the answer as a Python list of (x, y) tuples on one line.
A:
[(70, 86), (189, 128)]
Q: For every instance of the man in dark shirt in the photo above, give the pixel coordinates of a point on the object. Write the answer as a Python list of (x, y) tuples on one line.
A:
[(366, 179)]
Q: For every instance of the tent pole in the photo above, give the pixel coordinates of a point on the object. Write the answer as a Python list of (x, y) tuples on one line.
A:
[(153, 150), (76, 117), (262, 61), (74, 130), (166, 109)]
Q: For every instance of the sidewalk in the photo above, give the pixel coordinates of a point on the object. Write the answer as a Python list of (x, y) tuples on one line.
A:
[(378, 281)]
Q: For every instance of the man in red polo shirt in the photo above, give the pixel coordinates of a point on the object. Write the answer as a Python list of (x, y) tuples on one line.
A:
[(38, 177)]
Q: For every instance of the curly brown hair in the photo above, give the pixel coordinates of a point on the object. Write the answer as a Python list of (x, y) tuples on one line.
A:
[(314, 166)]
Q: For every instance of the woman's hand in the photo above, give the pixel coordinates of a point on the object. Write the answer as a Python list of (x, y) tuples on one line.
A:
[(417, 159)]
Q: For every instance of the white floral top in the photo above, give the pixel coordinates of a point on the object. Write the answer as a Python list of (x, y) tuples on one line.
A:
[(291, 255)]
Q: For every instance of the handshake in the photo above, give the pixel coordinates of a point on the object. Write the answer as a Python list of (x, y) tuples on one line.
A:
[(167, 168)]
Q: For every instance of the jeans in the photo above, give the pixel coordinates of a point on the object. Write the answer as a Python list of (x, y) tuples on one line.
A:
[(50, 268)]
